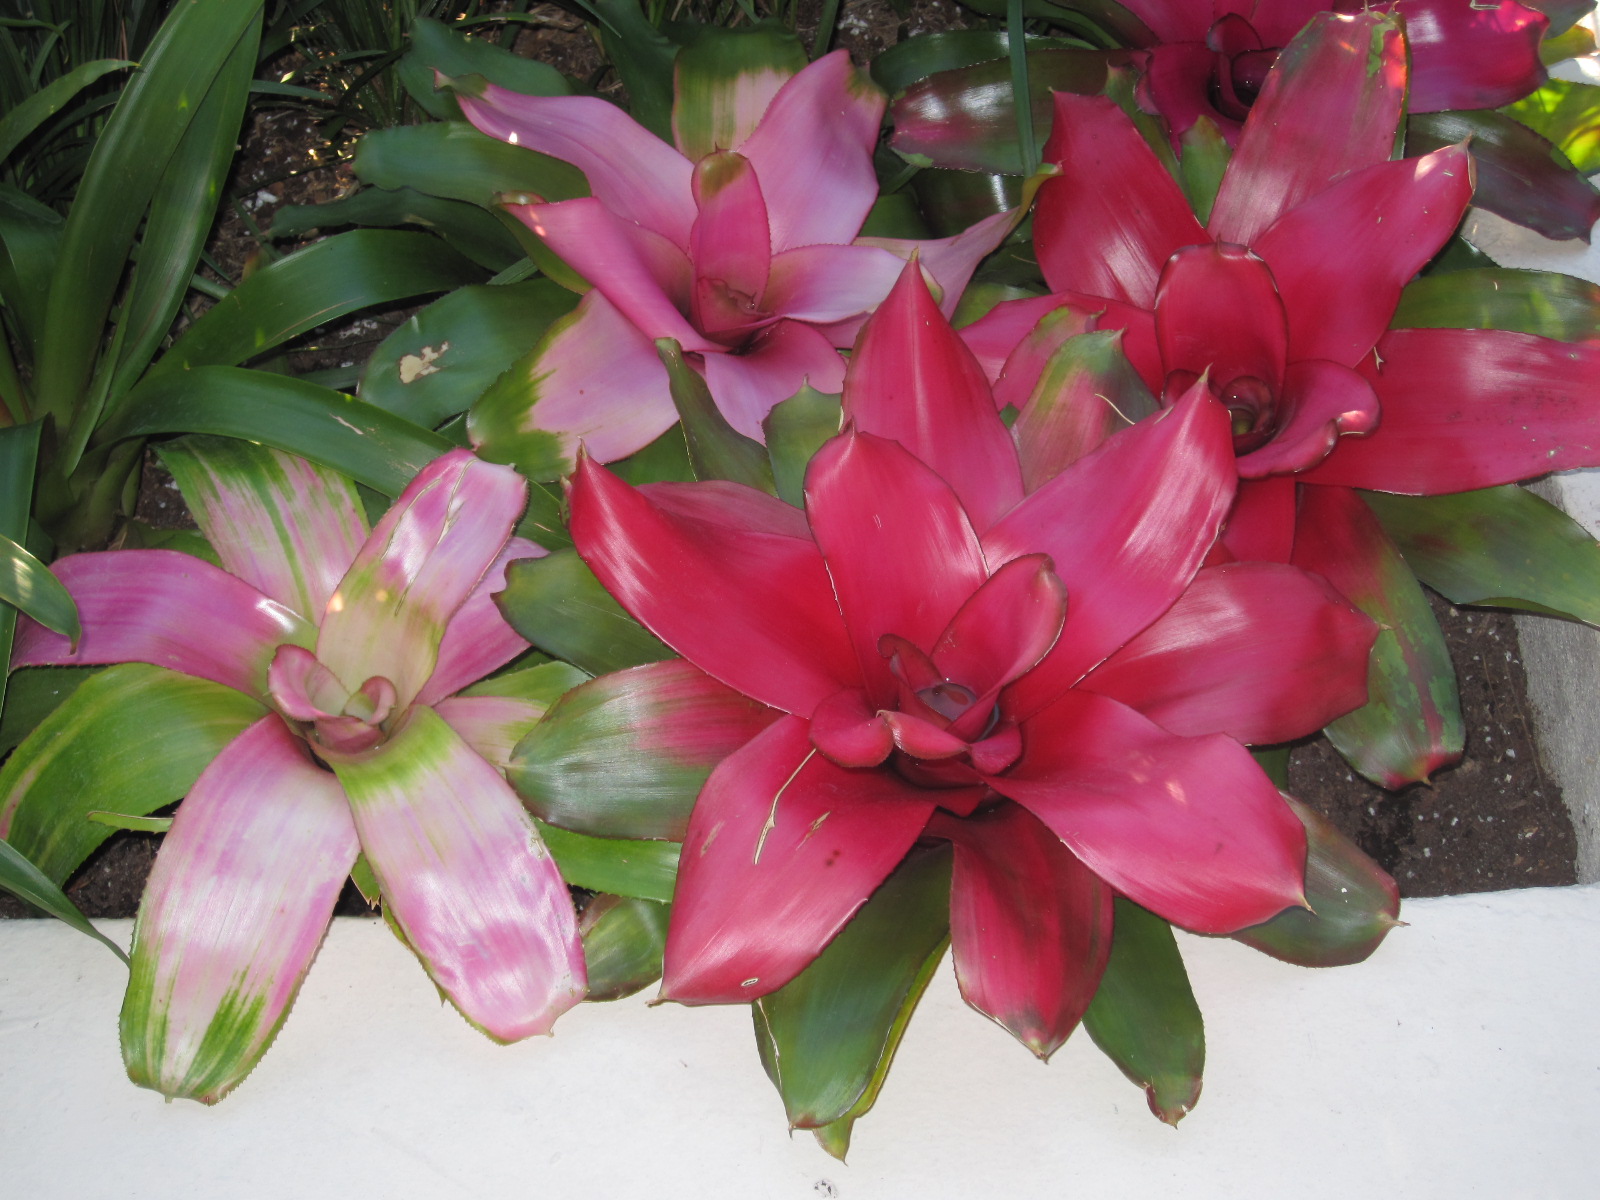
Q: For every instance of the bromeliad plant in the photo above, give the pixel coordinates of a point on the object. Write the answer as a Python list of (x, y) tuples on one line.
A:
[(1283, 299), (311, 698), (1047, 681), (739, 241)]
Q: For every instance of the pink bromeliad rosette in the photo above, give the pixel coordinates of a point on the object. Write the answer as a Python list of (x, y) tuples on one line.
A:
[(334, 659), (1050, 681)]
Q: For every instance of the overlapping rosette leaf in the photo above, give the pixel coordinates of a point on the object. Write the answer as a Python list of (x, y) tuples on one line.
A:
[(1047, 682), (321, 669), (1202, 66), (1282, 301), (740, 242)]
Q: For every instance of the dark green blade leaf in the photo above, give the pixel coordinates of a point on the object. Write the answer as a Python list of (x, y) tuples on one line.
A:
[(716, 449), (1144, 1017), (796, 429), (1545, 303), (27, 116), (625, 755), (129, 158), (559, 606), (827, 1038), (315, 285), (182, 211), (21, 878), (373, 447), (19, 450), (124, 821), (437, 47), (623, 938), (454, 161), (642, 58), (1105, 21), (30, 236), (32, 696), (956, 200), (441, 360), (966, 119), (27, 583), (915, 59), (1568, 116), (1411, 724), (466, 228), (623, 866), (1502, 546), (1521, 177), (1354, 903), (133, 737)]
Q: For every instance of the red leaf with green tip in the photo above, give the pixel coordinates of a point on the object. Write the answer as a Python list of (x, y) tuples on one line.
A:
[(1330, 106), (1144, 1017), (625, 755), (1030, 925), (1353, 902), (236, 906), (782, 849), (1410, 726)]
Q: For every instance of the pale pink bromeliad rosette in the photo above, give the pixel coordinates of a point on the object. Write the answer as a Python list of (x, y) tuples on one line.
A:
[(740, 243), (355, 645)]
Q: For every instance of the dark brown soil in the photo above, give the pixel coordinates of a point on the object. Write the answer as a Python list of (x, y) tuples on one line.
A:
[(1495, 821)]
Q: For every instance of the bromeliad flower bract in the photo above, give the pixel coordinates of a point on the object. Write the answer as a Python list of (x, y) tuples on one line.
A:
[(1051, 682), (740, 243), (348, 649)]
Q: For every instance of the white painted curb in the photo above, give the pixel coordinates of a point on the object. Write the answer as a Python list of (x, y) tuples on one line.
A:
[(1462, 1060)]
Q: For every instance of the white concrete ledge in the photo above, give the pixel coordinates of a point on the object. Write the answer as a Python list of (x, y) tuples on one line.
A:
[(1463, 1060)]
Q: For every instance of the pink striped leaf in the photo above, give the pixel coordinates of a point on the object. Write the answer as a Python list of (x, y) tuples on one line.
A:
[(284, 525), (167, 609), (417, 569), (232, 916), (465, 875), (477, 639)]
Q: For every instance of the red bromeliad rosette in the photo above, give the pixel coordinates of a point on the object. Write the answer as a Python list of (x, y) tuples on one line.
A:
[(1283, 300), (1051, 682)]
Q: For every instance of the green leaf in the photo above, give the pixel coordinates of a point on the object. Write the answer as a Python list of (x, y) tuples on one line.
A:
[(28, 584), (917, 58), (454, 161), (373, 447), (642, 869), (1411, 724), (19, 451), (1353, 902), (1144, 1017), (1545, 303), (33, 695), (557, 604), (707, 114), (134, 737), (30, 236), (642, 59), (1502, 546), (623, 940), (828, 1037), (1104, 22), (437, 47), (310, 287), (21, 878), (716, 449), (665, 460), (796, 429), (1201, 161), (27, 116), (124, 821), (956, 200), (129, 158), (466, 228), (1567, 115), (437, 363), (625, 755), (543, 684)]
